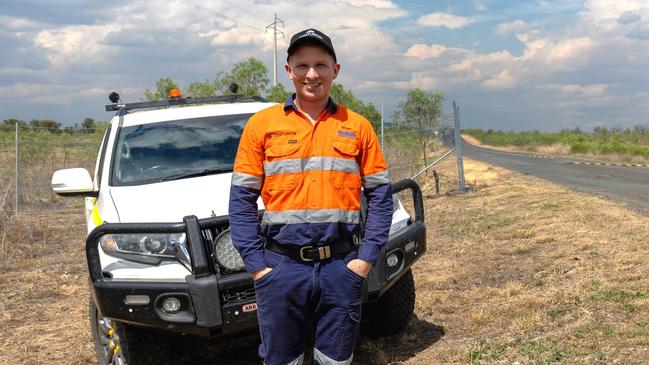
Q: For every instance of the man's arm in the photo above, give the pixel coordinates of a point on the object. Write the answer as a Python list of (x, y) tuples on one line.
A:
[(378, 192), (247, 179)]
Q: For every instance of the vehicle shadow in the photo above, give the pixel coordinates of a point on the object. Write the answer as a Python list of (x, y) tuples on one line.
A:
[(416, 337)]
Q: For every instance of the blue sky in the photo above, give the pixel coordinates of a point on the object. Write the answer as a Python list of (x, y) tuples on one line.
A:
[(511, 65)]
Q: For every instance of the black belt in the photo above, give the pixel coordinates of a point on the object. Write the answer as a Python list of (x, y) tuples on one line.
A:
[(310, 253)]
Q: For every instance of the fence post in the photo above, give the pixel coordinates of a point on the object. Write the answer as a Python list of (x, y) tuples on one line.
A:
[(382, 141), (458, 146), (17, 170)]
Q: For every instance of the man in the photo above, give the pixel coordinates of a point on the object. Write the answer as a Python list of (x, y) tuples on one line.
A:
[(308, 158)]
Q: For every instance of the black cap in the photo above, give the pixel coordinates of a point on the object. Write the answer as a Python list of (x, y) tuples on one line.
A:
[(311, 36)]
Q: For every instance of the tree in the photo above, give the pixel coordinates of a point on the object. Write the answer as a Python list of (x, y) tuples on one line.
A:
[(278, 94), (50, 125), (251, 75), (162, 87), (348, 100), (10, 124), (420, 111), (88, 126), (201, 89), (44, 124)]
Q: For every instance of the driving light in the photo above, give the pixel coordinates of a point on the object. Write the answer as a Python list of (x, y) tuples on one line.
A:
[(225, 254), (171, 305), (392, 260)]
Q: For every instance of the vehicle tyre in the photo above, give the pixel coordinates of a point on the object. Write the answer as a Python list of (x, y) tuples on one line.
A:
[(393, 311), (117, 343)]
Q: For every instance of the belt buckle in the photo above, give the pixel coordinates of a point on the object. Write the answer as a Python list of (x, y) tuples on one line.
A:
[(302, 253), (324, 252)]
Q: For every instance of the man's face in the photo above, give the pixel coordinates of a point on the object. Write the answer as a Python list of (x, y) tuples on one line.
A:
[(312, 70)]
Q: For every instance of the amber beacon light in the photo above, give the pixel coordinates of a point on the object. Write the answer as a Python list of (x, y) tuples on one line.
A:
[(174, 93)]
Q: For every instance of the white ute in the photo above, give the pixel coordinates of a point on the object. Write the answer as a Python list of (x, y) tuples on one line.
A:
[(159, 253)]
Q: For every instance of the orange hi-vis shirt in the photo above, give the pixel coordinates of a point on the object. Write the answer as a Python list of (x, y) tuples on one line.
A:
[(309, 176)]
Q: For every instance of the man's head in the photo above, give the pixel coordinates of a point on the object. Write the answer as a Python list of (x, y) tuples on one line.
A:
[(311, 65)]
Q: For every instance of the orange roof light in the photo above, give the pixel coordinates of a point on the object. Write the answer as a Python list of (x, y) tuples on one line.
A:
[(174, 93)]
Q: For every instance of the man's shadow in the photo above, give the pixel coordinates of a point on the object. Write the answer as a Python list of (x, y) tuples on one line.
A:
[(416, 337)]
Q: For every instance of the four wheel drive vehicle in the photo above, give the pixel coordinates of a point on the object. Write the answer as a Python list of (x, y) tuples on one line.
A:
[(159, 252)]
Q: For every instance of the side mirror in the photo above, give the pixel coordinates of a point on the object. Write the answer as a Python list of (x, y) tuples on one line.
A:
[(71, 182)]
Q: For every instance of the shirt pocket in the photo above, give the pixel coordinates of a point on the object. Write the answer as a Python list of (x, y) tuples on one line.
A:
[(283, 167), (346, 173)]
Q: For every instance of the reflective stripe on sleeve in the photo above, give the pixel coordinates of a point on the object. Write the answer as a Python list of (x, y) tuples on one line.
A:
[(311, 216), (377, 179), (311, 164), (246, 180)]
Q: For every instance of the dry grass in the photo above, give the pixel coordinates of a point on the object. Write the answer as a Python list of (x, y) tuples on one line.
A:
[(563, 150), (519, 271), (44, 290)]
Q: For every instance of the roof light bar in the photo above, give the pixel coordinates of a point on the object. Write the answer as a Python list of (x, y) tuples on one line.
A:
[(184, 101)]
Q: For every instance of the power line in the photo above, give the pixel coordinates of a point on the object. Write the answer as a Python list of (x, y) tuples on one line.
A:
[(227, 17), (244, 10)]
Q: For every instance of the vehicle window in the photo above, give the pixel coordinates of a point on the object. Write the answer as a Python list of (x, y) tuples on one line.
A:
[(154, 152)]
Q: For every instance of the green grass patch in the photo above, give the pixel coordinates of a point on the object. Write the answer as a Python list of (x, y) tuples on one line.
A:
[(485, 351), (545, 351), (632, 142), (619, 296)]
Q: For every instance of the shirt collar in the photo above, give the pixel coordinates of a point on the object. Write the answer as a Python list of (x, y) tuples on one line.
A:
[(290, 103)]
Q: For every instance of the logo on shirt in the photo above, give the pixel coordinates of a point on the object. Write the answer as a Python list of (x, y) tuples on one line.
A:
[(282, 133), (346, 134)]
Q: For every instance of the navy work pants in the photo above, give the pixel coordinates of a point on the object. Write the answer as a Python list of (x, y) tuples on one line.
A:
[(294, 294)]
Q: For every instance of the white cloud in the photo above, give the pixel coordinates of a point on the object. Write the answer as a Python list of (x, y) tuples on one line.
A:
[(19, 24), (515, 26), (579, 90), (444, 20), (73, 44), (503, 80), (422, 51), (380, 4), (480, 5)]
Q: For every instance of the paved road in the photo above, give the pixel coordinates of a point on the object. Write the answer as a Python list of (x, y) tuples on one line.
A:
[(627, 184)]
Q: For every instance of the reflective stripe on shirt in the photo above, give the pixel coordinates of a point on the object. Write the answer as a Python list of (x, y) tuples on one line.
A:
[(311, 216), (311, 164)]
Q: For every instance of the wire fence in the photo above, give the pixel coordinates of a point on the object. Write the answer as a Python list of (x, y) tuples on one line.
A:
[(28, 158), (428, 154), (30, 155)]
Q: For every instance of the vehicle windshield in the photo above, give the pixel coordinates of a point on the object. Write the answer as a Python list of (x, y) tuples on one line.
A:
[(176, 149)]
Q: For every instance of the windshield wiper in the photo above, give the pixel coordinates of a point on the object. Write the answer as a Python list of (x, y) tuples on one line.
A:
[(203, 172)]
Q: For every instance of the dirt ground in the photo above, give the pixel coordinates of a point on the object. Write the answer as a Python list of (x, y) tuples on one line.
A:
[(517, 271)]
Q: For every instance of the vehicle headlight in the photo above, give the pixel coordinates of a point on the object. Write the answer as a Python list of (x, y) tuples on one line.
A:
[(225, 255), (148, 248)]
